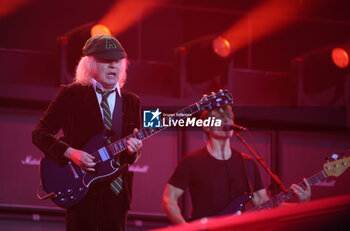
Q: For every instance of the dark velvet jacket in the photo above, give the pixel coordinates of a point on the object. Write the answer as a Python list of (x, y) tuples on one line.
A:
[(75, 110)]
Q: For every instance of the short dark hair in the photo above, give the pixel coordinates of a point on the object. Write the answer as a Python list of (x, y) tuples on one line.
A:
[(225, 111)]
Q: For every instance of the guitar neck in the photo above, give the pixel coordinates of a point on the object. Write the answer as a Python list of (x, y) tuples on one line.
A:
[(120, 145), (284, 196)]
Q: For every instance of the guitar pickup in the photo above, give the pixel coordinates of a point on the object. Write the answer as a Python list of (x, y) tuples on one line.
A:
[(103, 154)]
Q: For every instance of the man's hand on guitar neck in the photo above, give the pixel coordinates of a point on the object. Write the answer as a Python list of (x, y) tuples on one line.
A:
[(134, 145), (303, 195), (83, 159)]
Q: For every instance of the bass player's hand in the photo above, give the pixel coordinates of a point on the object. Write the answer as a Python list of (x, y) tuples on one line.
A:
[(303, 195)]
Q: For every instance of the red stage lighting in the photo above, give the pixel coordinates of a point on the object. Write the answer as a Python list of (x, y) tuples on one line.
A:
[(221, 47), (10, 7), (206, 57), (267, 17), (100, 29), (340, 57), (125, 13)]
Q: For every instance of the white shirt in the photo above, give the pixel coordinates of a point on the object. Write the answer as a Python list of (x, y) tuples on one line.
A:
[(110, 99)]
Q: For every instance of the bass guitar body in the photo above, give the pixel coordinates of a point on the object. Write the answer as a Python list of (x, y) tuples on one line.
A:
[(235, 207)]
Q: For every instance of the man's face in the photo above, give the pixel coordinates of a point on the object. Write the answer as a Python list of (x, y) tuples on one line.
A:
[(226, 119), (107, 72)]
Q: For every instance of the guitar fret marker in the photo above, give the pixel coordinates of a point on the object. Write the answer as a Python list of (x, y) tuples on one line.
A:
[(125, 143), (116, 148), (116, 145), (121, 147)]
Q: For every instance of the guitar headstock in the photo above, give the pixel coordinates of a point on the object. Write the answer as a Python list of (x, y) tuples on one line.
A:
[(215, 100), (336, 167)]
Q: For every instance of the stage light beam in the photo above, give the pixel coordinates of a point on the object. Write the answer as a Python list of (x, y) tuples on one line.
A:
[(8, 7), (124, 13), (265, 19)]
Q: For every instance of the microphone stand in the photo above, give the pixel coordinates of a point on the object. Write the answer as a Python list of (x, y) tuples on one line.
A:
[(261, 161)]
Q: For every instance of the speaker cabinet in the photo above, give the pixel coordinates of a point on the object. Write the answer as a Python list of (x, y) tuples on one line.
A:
[(19, 159)]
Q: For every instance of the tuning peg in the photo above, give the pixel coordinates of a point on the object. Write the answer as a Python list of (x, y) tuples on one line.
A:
[(326, 159), (205, 97), (335, 156), (342, 154)]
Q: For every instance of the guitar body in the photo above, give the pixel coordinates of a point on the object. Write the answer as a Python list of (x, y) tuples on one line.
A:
[(69, 183), (235, 207)]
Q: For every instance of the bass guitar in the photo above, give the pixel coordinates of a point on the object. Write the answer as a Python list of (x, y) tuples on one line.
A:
[(68, 184), (334, 168)]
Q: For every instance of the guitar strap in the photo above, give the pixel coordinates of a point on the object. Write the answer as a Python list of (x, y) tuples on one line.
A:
[(246, 173)]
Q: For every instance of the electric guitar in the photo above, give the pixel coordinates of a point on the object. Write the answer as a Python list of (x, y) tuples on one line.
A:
[(67, 185), (334, 168)]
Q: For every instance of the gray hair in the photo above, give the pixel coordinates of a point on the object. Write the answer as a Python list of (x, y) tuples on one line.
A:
[(86, 71)]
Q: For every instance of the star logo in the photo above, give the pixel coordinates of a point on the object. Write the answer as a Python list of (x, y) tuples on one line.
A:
[(151, 118), (156, 114)]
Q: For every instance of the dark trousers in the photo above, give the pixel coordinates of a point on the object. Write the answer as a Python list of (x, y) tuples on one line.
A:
[(100, 210)]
